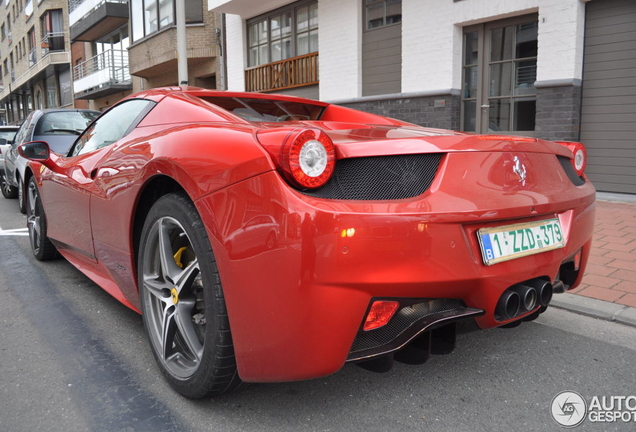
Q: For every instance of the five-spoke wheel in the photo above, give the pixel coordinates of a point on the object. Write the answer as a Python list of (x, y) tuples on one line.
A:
[(182, 301)]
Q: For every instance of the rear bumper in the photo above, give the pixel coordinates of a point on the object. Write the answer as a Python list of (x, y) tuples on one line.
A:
[(296, 307)]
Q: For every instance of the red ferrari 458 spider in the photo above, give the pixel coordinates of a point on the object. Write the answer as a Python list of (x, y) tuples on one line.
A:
[(270, 238)]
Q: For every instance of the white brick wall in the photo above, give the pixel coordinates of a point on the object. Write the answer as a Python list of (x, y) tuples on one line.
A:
[(431, 42), (339, 42), (432, 38), (236, 52)]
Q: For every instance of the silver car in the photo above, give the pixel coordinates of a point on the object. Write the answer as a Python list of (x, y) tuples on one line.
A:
[(58, 127), (7, 133)]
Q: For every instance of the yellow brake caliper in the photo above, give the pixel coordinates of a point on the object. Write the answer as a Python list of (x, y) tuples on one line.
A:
[(177, 259)]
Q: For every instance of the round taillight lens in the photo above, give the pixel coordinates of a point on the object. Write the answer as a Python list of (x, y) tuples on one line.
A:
[(579, 160), (311, 158)]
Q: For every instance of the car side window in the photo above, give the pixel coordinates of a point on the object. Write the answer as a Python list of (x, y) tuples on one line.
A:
[(112, 126)]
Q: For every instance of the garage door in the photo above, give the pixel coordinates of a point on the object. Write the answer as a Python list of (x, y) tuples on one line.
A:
[(608, 121)]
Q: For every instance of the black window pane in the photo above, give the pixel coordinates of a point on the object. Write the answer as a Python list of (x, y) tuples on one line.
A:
[(525, 111), (501, 79), (470, 82), (469, 116), (499, 116), (526, 40), (501, 44), (471, 48), (525, 76)]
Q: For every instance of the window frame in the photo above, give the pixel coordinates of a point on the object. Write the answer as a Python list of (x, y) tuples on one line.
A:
[(482, 97), (189, 6), (291, 9), (365, 10)]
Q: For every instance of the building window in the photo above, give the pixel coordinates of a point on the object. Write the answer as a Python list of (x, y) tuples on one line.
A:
[(499, 71), (380, 13), (289, 32), (150, 16)]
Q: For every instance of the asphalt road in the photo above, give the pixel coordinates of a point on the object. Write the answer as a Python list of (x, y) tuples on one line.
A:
[(74, 359)]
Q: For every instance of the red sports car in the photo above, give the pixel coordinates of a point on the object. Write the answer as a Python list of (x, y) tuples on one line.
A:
[(270, 238)]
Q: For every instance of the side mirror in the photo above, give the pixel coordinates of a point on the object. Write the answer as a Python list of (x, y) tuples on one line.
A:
[(35, 150)]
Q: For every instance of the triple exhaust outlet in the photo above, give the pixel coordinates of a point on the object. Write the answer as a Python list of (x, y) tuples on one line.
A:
[(523, 297)]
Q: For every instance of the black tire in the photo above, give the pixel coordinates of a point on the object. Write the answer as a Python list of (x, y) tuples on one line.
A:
[(41, 245), (182, 301), (21, 196), (8, 191)]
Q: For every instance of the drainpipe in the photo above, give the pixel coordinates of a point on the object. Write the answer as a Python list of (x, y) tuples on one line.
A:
[(182, 55), (220, 41)]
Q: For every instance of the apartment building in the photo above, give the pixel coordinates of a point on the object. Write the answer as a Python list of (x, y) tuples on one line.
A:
[(100, 38), (553, 69), (124, 46), (35, 57)]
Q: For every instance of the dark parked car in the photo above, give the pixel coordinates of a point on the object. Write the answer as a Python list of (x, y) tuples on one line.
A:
[(58, 127)]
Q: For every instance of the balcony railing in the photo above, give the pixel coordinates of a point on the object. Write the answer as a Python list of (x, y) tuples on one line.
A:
[(52, 41), (284, 74), (107, 68)]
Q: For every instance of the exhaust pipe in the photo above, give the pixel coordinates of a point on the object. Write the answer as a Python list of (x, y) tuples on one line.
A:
[(544, 290), (508, 305), (528, 296)]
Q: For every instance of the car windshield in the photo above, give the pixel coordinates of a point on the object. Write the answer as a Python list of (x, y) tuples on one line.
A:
[(7, 134), (64, 122), (267, 110)]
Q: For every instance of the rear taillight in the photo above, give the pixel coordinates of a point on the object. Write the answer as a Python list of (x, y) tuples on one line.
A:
[(308, 158), (579, 156)]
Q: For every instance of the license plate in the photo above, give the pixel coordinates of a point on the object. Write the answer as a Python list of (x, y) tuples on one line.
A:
[(515, 241)]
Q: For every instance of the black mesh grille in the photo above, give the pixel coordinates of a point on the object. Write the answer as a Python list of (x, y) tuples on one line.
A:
[(406, 317), (569, 170), (380, 177)]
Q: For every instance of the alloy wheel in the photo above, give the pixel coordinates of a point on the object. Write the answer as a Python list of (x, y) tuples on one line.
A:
[(34, 218), (175, 304)]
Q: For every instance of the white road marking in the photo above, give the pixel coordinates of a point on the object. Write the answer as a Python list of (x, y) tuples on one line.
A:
[(22, 232)]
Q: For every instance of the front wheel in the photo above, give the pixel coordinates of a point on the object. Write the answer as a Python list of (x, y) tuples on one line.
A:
[(8, 191), (182, 301), (41, 246)]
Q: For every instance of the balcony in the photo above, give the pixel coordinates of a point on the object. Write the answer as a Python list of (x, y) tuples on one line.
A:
[(51, 42), (294, 72), (102, 75), (92, 19)]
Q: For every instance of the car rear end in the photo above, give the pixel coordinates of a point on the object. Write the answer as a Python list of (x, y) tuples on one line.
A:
[(413, 231)]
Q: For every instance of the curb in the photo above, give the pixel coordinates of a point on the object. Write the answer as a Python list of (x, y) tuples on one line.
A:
[(595, 308)]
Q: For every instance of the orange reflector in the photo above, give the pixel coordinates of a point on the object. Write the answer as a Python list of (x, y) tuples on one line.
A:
[(380, 314), (577, 260)]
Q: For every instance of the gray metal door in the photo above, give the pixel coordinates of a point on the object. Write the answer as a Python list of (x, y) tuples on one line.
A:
[(608, 111)]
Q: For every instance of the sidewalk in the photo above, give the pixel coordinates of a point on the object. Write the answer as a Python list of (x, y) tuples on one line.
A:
[(611, 271)]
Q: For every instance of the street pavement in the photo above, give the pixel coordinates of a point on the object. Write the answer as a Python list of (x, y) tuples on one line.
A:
[(608, 290)]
